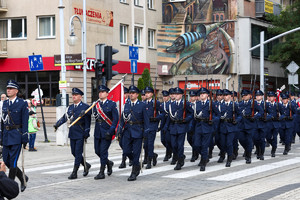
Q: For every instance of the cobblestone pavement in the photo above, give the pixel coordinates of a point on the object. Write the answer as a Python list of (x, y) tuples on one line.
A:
[(48, 169)]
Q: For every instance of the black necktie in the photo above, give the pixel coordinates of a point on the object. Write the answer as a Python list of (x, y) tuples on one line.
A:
[(10, 103), (132, 104), (101, 103), (75, 106)]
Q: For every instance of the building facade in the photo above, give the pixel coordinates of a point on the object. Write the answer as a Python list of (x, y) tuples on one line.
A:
[(28, 27), (208, 42)]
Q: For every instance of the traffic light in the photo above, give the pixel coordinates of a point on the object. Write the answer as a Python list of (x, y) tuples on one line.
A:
[(109, 62)]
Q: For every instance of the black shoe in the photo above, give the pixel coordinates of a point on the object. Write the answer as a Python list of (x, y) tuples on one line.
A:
[(195, 156), (174, 160), (32, 149), (248, 161), (130, 162), (145, 159), (110, 165), (180, 164), (74, 173), (101, 174), (20, 176), (229, 160), (149, 163), (273, 152), (123, 163), (262, 157), (155, 159), (134, 173), (202, 168), (166, 158), (248, 157), (210, 152), (86, 170), (221, 159), (267, 144), (235, 154)]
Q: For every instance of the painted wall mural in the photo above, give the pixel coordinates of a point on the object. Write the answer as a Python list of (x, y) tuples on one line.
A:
[(197, 38)]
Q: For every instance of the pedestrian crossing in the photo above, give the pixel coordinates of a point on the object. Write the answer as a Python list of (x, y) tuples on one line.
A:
[(164, 170)]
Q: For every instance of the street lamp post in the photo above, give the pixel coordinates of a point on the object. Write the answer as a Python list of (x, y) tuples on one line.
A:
[(73, 39)]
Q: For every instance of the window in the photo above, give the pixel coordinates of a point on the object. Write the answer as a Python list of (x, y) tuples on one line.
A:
[(150, 4), (137, 35), (123, 1), (151, 37), (46, 27), (13, 28), (137, 2), (255, 39), (123, 33)]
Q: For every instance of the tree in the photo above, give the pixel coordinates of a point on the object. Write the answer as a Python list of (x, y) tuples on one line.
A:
[(144, 80), (288, 49)]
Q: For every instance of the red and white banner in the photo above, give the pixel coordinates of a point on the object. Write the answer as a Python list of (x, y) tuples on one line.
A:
[(116, 94)]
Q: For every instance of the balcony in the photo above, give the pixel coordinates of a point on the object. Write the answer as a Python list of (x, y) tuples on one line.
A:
[(3, 48), (3, 6), (262, 7)]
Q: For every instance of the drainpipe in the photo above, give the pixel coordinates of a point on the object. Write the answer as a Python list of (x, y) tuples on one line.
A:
[(227, 80)]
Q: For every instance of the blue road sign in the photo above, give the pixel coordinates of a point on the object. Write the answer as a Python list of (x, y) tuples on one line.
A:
[(133, 53), (35, 62), (133, 66)]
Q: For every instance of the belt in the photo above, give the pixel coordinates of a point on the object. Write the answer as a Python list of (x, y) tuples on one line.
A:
[(176, 122), (132, 123), (227, 120), (202, 119), (12, 127)]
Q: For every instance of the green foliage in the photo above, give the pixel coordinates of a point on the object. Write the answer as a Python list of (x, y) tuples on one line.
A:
[(140, 86), (288, 48), (146, 78)]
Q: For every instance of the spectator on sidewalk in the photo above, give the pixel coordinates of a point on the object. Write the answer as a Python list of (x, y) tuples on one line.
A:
[(3, 98), (8, 187), (32, 125)]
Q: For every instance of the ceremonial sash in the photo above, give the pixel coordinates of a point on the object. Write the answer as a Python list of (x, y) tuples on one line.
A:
[(103, 115)]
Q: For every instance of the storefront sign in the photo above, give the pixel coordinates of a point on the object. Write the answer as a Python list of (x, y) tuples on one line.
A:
[(194, 85), (95, 16), (62, 85), (268, 6), (70, 60)]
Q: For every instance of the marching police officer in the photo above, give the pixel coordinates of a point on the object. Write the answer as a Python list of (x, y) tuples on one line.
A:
[(79, 132), (126, 95), (191, 127), (178, 126), (143, 96), (166, 129), (14, 131), (230, 117), (153, 126), (204, 125), (248, 124), (259, 138), (215, 139), (273, 124), (165, 135), (287, 111), (107, 117), (123, 163), (135, 125)]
